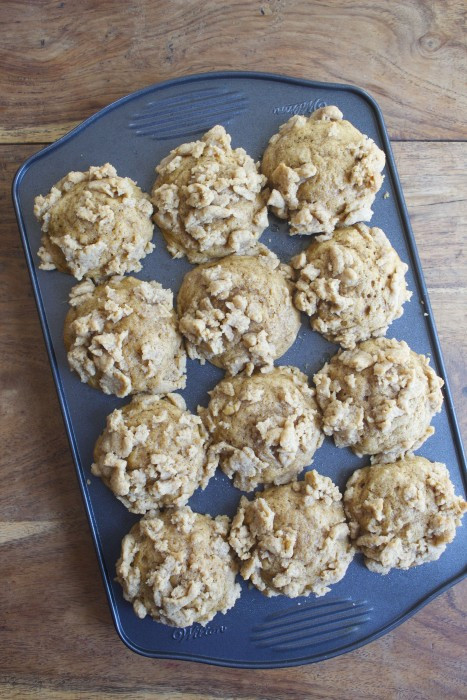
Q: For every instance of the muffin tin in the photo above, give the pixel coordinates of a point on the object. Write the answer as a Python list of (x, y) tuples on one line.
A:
[(134, 134)]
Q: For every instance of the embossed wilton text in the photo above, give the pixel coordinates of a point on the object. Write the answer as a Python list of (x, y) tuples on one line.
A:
[(301, 107), (196, 632)]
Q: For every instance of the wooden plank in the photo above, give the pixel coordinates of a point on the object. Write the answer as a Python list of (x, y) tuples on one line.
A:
[(19, 530), (44, 133), (56, 631), (62, 61), (434, 181)]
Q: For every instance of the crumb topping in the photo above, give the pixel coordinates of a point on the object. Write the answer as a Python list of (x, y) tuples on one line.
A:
[(94, 224), (207, 199), (402, 514), (352, 286), (177, 566), (264, 428), (152, 453), (293, 539), (322, 172), (379, 399), (121, 337)]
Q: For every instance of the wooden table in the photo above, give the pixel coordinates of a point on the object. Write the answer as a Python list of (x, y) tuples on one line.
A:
[(62, 61)]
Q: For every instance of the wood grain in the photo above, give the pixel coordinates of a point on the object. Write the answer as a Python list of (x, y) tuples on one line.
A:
[(434, 181), (62, 61)]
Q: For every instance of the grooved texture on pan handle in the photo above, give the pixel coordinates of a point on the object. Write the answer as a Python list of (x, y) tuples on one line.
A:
[(190, 112), (310, 624)]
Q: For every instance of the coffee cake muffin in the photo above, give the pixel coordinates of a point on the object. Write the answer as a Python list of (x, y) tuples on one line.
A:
[(94, 224), (238, 312), (264, 429), (293, 539), (402, 514), (352, 286), (379, 399), (322, 172), (176, 566), (121, 337), (207, 199), (152, 453)]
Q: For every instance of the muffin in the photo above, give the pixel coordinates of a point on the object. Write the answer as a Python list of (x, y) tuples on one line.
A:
[(177, 567), (237, 312), (207, 199), (264, 429), (379, 399), (94, 224), (352, 286), (402, 514), (293, 539), (322, 172), (152, 453), (121, 337)]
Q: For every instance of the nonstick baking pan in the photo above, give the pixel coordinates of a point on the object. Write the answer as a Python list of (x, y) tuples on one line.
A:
[(134, 134)]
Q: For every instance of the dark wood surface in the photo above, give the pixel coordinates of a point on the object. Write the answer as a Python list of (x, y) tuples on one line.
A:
[(59, 63)]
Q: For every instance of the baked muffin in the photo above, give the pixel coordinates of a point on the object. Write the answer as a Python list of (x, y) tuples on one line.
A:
[(379, 399), (152, 453), (322, 172), (352, 286), (94, 224), (177, 566), (207, 199), (121, 337), (264, 429), (293, 539), (402, 514), (237, 312)]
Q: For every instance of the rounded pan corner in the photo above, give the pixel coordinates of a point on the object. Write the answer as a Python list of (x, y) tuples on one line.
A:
[(15, 185), (23, 168), (367, 96), (18, 177)]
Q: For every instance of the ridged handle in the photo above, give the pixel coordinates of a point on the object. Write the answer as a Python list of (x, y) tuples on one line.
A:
[(310, 624), (190, 112)]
